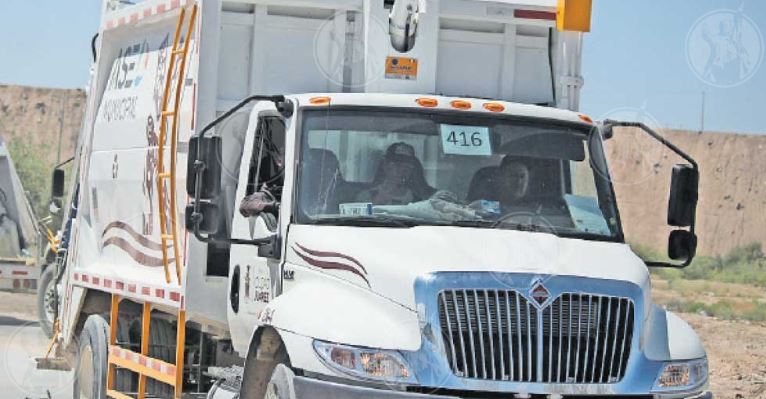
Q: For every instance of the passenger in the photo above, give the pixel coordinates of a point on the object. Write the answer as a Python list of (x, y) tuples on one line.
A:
[(399, 179)]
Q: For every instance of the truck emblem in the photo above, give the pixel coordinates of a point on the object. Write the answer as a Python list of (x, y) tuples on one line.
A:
[(539, 293)]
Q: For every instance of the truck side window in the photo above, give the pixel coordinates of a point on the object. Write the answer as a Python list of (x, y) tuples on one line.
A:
[(267, 165)]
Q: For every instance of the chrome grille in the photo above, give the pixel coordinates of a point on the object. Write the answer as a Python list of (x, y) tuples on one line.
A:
[(500, 335)]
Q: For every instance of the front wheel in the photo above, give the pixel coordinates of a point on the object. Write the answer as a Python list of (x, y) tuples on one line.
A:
[(46, 300), (260, 367)]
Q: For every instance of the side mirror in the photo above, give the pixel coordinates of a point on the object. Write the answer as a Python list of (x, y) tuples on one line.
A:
[(682, 245), (210, 151), (607, 131), (684, 191), (207, 217), (57, 183)]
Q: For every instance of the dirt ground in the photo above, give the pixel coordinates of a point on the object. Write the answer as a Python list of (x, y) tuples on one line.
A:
[(737, 355), (736, 350)]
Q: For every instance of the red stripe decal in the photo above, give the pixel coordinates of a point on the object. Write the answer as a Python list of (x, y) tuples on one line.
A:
[(85, 278), (161, 8), (142, 361), (159, 293), (109, 24), (175, 3), (323, 254), (331, 265), (134, 18), (96, 280), (76, 277), (175, 296), (147, 12), (146, 291), (132, 288), (121, 21), (532, 14), (19, 273), (119, 285)]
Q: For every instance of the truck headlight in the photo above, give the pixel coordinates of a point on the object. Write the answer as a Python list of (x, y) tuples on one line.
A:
[(366, 363), (679, 376)]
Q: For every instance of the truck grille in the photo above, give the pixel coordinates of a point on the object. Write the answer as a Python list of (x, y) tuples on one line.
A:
[(500, 335)]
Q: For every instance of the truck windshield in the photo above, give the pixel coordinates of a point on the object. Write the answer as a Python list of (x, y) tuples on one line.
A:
[(373, 167)]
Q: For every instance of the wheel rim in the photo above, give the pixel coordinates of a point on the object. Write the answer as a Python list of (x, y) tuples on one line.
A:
[(85, 373), (49, 300), (271, 392)]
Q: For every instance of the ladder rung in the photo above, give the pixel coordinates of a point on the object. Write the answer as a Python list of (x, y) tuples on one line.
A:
[(164, 175), (167, 236), (168, 113), (179, 51), (117, 395)]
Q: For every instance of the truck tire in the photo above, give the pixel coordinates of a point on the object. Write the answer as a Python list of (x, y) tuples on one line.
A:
[(261, 364), (46, 292), (162, 346), (90, 372)]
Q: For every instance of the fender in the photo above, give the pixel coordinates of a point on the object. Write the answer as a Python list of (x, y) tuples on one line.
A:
[(323, 307), (666, 337)]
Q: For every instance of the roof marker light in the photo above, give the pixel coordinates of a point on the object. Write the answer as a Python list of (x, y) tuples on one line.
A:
[(585, 118), (319, 100), (427, 102), (460, 104), (494, 107)]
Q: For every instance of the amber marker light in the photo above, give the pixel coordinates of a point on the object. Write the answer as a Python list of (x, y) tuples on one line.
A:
[(460, 104), (319, 100), (427, 102), (494, 107)]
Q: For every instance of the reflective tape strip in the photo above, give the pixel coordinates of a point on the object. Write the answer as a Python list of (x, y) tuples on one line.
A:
[(147, 12), (136, 362), (136, 290)]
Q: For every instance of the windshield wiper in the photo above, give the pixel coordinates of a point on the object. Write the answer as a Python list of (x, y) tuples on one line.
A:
[(368, 221)]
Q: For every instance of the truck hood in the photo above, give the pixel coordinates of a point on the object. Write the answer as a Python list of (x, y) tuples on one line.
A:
[(389, 260)]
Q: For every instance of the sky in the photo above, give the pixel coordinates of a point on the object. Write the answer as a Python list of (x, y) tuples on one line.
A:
[(643, 59)]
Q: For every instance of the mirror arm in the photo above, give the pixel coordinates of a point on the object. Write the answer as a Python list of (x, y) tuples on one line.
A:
[(284, 106), (64, 163), (655, 136)]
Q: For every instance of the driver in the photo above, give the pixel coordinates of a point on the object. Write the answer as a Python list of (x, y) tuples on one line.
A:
[(514, 184), (399, 179)]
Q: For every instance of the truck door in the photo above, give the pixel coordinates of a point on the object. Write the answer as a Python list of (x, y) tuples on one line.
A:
[(254, 280)]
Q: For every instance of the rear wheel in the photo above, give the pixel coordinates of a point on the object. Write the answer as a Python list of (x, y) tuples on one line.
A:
[(90, 373), (46, 300)]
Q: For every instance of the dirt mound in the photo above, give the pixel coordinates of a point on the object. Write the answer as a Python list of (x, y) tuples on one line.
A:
[(42, 116)]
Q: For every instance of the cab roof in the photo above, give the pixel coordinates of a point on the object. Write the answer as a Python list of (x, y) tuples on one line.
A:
[(462, 104)]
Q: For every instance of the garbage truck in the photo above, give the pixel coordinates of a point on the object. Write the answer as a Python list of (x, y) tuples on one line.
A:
[(359, 198), (23, 244)]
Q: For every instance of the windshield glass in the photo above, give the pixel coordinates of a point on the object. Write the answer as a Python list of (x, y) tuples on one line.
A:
[(377, 167)]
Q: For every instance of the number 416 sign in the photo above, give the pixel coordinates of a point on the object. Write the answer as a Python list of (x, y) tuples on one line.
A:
[(465, 140)]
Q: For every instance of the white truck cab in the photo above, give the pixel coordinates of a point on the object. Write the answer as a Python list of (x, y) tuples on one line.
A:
[(359, 198)]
